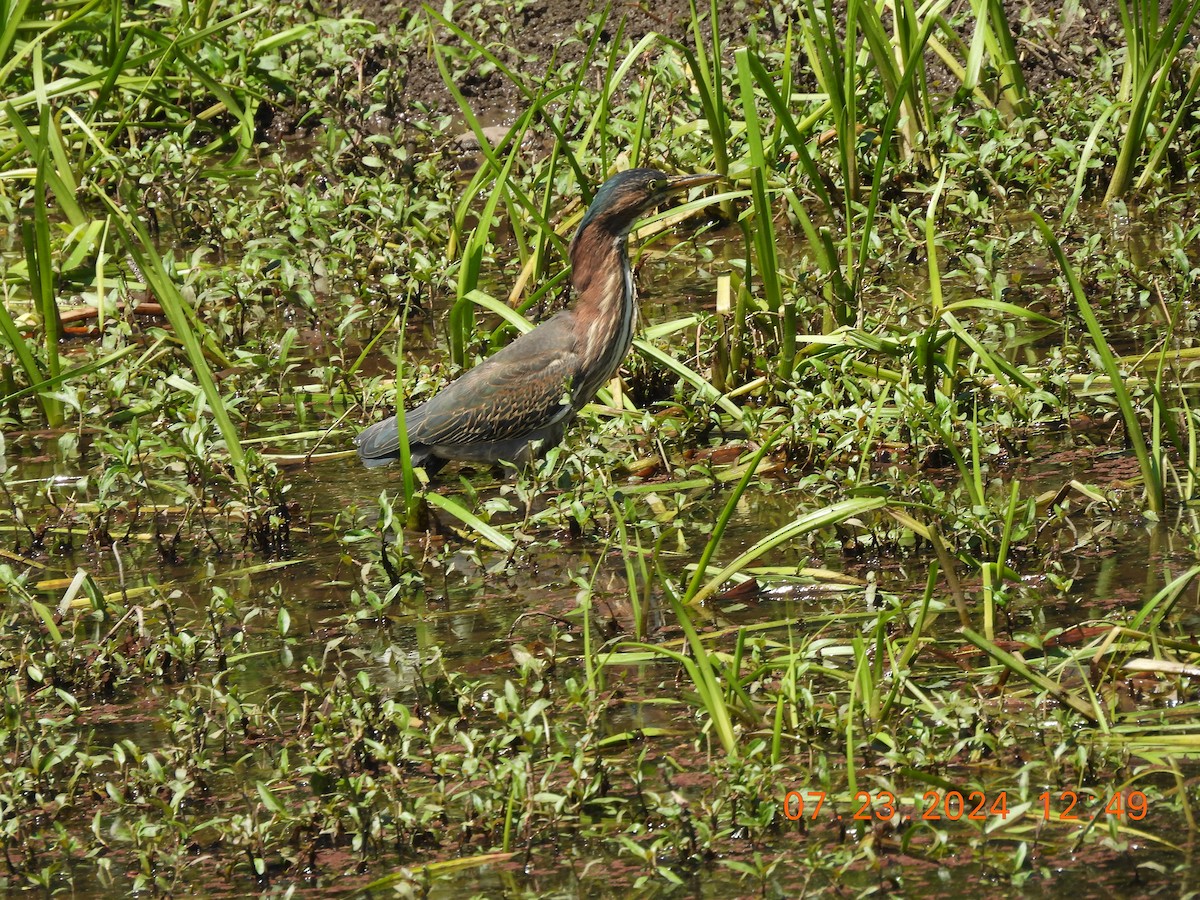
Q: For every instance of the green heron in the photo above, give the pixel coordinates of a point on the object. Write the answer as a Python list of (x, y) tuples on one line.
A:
[(520, 401)]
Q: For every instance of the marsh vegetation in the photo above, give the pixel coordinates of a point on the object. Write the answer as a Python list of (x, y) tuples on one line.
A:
[(875, 571)]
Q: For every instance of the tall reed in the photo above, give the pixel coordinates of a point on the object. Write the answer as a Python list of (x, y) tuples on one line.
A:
[(1152, 51), (1149, 454)]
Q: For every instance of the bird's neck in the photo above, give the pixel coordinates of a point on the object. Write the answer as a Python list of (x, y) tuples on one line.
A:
[(606, 307)]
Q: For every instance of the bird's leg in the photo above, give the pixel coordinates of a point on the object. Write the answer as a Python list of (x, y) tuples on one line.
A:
[(433, 465)]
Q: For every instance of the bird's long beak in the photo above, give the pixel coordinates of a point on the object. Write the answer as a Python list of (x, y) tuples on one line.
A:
[(682, 182)]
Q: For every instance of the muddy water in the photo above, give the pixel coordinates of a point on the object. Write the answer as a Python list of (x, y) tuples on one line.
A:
[(470, 609)]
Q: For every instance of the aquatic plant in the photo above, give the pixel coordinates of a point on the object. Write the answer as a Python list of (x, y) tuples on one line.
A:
[(850, 560)]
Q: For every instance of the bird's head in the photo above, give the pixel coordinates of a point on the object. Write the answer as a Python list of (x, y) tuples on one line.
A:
[(627, 196)]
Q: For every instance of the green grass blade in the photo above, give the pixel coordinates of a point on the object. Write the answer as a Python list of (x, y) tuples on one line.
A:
[(794, 130), (49, 384), (1021, 668), (473, 522), (691, 376), (1150, 465), (735, 496), (139, 246), (821, 518), (25, 356)]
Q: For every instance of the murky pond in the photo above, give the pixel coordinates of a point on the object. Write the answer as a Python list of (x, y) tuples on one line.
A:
[(875, 572), (334, 653)]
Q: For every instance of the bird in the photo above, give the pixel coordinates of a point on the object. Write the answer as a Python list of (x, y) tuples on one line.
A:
[(518, 402)]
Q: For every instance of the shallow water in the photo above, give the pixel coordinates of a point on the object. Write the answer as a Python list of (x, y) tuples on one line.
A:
[(471, 608)]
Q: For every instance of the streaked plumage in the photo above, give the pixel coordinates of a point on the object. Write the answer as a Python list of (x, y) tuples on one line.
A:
[(520, 401)]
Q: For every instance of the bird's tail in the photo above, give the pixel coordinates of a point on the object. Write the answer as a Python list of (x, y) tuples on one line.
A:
[(379, 444)]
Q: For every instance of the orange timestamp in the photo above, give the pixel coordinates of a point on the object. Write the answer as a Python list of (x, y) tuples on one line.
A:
[(970, 806)]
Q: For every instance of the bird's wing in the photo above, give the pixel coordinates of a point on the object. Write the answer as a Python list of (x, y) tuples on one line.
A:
[(524, 387)]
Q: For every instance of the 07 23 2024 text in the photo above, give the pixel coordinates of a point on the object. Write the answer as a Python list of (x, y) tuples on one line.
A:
[(973, 806)]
